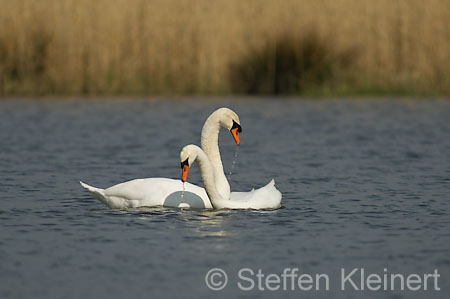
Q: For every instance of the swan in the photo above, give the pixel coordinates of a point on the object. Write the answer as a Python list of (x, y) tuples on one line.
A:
[(168, 192), (267, 197)]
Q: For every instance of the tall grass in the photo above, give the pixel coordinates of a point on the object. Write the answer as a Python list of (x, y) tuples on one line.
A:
[(201, 46), (290, 64)]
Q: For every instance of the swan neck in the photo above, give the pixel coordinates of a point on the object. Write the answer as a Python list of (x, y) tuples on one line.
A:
[(210, 138), (207, 174), (210, 145)]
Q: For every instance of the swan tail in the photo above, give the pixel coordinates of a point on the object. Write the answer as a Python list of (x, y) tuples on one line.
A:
[(96, 192), (270, 184), (275, 194)]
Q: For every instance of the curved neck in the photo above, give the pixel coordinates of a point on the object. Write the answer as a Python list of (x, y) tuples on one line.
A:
[(210, 145), (207, 174)]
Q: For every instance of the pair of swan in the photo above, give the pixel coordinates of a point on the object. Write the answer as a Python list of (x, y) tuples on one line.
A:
[(179, 193)]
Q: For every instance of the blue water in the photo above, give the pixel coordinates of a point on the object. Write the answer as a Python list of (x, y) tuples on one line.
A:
[(365, 185)]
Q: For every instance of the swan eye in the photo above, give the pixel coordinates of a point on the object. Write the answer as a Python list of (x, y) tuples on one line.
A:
[(185, 163), (236, 126)]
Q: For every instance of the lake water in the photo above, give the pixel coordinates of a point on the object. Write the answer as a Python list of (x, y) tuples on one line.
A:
[(365, 185)]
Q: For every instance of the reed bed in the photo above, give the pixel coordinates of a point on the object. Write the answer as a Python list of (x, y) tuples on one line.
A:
[(104, 47)]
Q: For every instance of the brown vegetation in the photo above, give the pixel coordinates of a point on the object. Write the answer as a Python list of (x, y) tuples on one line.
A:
[(202, 46)]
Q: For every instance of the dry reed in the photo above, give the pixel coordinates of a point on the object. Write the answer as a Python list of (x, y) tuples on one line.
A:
[(188, 46)]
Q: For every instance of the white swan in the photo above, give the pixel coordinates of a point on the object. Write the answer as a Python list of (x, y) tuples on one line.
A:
[(167, 192), (267, 197)]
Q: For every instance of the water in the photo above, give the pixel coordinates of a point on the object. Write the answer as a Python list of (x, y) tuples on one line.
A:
[(365, 184)]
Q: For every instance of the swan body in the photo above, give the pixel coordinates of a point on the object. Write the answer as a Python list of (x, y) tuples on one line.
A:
[(167, 192), (152, 192), (267, 197)]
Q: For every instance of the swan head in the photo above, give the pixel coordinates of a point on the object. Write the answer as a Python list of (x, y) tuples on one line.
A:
[(230, 120), (188, 155)]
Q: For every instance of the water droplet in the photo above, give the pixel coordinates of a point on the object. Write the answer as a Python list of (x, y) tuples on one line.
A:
[(234, 162), (182, 192)]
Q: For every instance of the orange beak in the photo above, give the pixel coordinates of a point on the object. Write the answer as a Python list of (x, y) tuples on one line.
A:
[(235, 133), (185, 172)]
